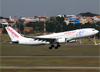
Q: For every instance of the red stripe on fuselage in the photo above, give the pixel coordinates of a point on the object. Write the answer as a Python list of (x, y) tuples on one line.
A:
[(70, 32)]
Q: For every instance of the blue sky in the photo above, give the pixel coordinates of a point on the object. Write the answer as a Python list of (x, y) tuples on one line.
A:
[(31, 8)]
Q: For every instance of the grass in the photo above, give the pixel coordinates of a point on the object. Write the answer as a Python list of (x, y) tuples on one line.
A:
[(50, 61), (75, 50), (49, 70), (71, 49)]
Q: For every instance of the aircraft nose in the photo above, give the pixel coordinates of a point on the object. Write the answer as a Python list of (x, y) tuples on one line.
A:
[(96, 31)]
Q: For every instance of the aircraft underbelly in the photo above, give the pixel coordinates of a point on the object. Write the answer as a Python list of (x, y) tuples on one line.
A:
[(34, 43)]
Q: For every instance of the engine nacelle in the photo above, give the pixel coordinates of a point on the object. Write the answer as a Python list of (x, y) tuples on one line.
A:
[(62, 40), (71, 41), (16, 42)]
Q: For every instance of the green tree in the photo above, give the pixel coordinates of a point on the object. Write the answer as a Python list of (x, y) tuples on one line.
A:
[(1, 17), (70, 27), (40, 26), (89, 25), (50, 27), (64, 28), (37, 26), (98, 28), (0, 25), (53, 26), (88, 14), (61, 21), (4, 30), (78, 26), (20, 25)]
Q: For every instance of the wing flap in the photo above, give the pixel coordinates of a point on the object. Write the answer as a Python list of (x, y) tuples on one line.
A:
[(51, 40)]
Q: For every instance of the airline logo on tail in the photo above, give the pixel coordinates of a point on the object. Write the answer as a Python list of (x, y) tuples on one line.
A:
[(13, 33)]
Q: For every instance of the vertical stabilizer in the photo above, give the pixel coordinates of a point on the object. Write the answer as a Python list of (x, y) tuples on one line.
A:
[(14, 35)]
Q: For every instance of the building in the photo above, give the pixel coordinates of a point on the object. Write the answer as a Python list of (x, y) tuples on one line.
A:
[(74, 20), (96, 19), (83, 20), (66, 20), (89, 19)]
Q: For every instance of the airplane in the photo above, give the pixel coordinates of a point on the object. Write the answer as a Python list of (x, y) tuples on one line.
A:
[(55, 38)]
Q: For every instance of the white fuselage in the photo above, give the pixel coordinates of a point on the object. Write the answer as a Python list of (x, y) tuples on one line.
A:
[(60, 37)]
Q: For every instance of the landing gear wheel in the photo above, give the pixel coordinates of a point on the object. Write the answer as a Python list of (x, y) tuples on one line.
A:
[(56, 47), (50, 47)]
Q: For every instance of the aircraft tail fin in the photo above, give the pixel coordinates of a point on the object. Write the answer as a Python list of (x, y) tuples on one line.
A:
[(14, 35)]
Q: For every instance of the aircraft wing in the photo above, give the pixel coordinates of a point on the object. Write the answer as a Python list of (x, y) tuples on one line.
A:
[(51, 40)]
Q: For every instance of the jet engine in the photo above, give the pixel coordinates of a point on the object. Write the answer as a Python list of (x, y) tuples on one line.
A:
[(71, 41), (62, 40)]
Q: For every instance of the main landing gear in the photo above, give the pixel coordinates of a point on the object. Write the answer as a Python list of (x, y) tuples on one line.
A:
[(56, 47)]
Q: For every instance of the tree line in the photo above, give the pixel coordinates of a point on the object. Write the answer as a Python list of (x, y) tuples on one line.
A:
[(58, 25), (55, 25)]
